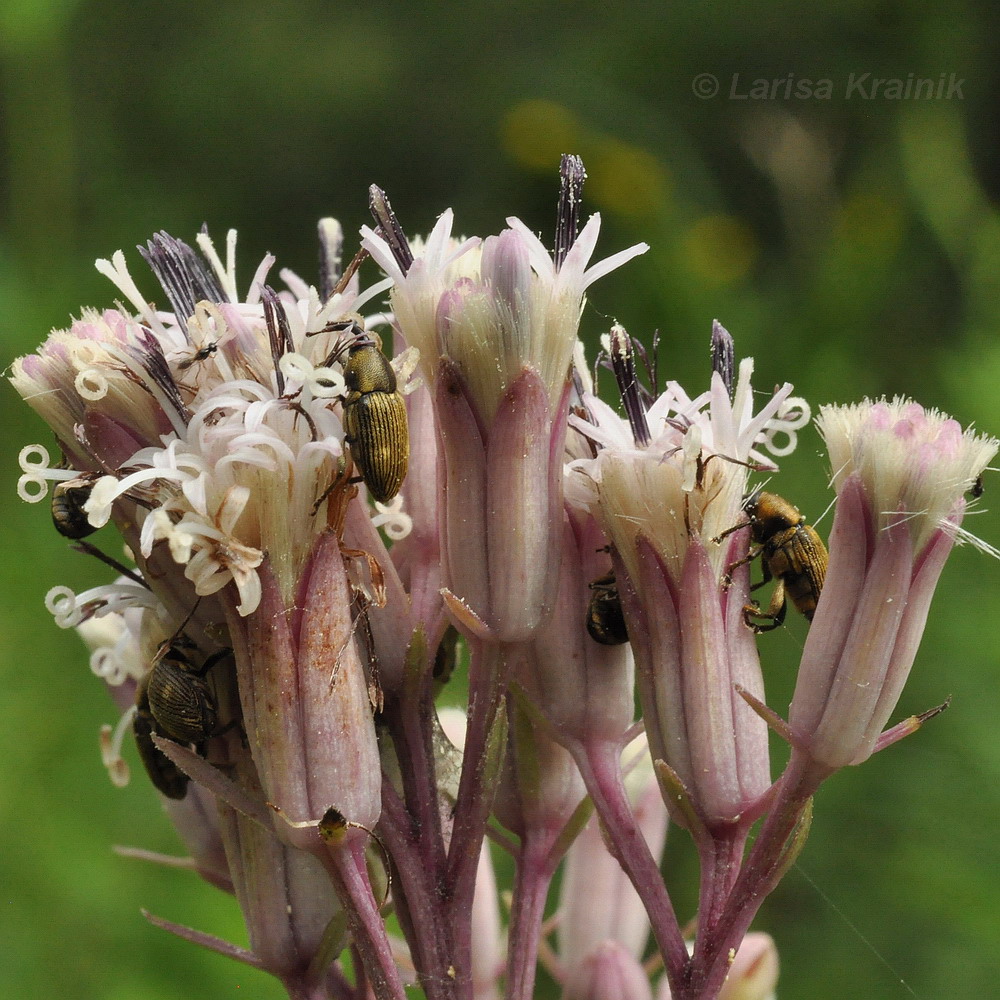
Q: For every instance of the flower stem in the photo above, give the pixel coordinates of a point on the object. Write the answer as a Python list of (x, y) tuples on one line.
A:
[(760, 873), (483, 745), (531, 887), (720, 853), (345, 864), (599, 764), (418, 905), (410, 723)]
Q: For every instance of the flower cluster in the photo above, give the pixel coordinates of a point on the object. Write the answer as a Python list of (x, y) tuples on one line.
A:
[(324, 522)]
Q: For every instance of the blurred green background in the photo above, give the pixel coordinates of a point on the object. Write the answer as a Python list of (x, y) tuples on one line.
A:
[(850, 243)]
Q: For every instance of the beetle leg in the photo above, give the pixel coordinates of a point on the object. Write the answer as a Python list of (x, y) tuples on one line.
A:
[(774, 616), (211, 662), (727, 580), (202, 746)]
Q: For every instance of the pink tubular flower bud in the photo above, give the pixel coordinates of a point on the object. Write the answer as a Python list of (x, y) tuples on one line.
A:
[(283, 893), (495, 323), (900, 473), (609, 972), (584, 688), (665, 488), (305, 698), (500, 502)]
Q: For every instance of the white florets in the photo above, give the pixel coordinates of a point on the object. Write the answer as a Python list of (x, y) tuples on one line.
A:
[(220, 447), (495, 306), (691, 477)]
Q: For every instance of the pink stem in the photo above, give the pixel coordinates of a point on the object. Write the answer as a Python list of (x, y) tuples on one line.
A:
[(601, 769), (345, 864), (488, 675), (531, 887), (720, 854), (758, 877), (410, 723), (418, 906)]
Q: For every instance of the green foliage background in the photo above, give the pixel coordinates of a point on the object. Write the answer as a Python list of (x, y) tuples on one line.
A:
[(851, 245)]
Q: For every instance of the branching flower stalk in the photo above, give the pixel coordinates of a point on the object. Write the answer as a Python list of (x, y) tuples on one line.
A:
[(283, 631)]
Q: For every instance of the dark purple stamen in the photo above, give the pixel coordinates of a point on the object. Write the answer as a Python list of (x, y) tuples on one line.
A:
[(724, 356), (647, 395), (623, 364), (279, 333), (389, 227), (149, 355), (184, 275), (571, 178)]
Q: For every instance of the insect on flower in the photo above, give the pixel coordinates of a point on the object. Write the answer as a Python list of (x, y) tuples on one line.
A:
[(202, 354), (68, 515), (790, 551), (174, 700), (605, 621), (166, 776), (375, 422)]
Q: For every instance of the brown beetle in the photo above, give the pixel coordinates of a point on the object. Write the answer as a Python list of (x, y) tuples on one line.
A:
[(166, 776), (375, 424), (790, 551)]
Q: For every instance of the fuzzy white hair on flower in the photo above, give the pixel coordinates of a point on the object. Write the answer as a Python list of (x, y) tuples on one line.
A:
[(913, 462)]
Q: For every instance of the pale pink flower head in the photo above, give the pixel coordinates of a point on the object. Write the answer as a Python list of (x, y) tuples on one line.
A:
[(665, 485), (214, 426), (210, 432), (495, 322), (900, 472)]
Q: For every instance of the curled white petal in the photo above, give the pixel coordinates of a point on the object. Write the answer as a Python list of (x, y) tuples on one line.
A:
[(391, 517), (60, 602), (91, 384), (40, 491)]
